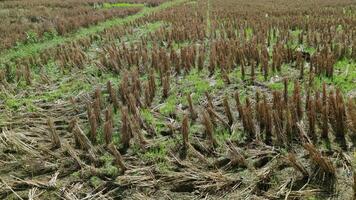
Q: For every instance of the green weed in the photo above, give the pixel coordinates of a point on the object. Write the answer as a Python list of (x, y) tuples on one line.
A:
[(169, 106), (123, 5)]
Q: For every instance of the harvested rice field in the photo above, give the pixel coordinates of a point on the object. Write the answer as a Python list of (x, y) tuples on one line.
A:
[(178, 99)]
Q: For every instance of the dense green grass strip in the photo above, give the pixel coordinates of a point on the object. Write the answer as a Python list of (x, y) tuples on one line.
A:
[(32, 49), (123, 5)]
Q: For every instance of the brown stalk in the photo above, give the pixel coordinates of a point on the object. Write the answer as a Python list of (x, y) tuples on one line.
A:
[(253, 76), (113, 97), (124, 87), (265, 68), (218, 117), (109, 114), (297, 100), (228, 111), (301, 75), (27, 74), (297, 165), (318, 103), (210, 105), (259, 111), (71, 124), (97, 110), (278, 103), (324, 163), (56, 143), (108, 131), (209, 100), (325, 97), (209, 129), (148, 95), (285, 92), (118, 158), (325, 125), (248, 123), (267, 121), (165, 86), (225, 77), (132, 104), (135, 79), (80, 138), (237, 159), (93, 127), (337, 117), (97, 96), (185, 131), (126, 133), (282, 138), (152, 83), (307, 100), (242, 72), (351, 114), (201, 59), (193, 114), (136, 131), (238, 104), (312, 121)]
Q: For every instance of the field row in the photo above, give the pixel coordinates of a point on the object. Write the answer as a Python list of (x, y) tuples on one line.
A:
[(25, 22)]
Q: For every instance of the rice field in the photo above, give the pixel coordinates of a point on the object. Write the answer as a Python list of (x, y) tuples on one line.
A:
[(184, 99)]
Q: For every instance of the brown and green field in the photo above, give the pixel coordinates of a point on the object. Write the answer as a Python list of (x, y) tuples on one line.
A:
[(177, 99)]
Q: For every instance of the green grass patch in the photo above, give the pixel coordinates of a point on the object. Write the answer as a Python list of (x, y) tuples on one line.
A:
[(196, 83), (95, 181), (249, 33), (222, 135), (344, 76), (279, 86), (158, 154), (169, 106), (65, 90), (147, 116), (123, 5), (108, 168), (219, 84), (158, 124)]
